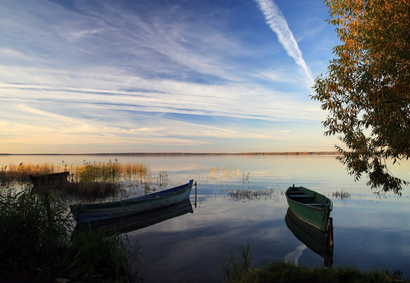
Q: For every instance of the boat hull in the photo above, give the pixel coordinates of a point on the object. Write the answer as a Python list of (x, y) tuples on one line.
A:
[(54, 179), (84, 213), (140, 220), (309, 206)]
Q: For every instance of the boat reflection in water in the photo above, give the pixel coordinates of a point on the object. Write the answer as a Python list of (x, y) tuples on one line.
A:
[(139, 220), (316, 240)]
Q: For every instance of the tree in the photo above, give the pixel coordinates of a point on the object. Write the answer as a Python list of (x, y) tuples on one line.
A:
[(367, 87)]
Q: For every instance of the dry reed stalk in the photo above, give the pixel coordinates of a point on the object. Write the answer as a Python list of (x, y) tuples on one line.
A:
[(88, 172)]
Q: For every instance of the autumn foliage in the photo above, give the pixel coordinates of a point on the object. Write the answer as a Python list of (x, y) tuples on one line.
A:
[(367, 88)]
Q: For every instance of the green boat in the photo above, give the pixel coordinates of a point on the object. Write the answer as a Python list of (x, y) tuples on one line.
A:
[(309, 206)]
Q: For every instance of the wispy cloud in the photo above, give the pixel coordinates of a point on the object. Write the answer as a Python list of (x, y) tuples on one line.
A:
[(128, 72), (280, 75), (245, 101), (296, 254), (75, 35), (278, 24)]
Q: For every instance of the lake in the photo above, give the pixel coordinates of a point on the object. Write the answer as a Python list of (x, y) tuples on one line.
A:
[(370, 230)]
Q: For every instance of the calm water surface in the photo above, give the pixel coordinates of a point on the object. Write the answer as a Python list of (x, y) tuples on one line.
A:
[(370, 230)]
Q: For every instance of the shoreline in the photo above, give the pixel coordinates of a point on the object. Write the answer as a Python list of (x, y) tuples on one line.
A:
[(184, 153)]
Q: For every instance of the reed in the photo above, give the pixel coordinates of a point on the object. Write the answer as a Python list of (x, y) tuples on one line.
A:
[(88, 172), (20, 173), (91, 191), (89, 182), (34, 232), (138, 169), (342, 194), (224, 172), (95, 256), (245, 178), (252, 194), (163, 179), (236, 266)]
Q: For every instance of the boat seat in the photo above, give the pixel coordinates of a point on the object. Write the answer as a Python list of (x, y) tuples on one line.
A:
[(315, 204), (295, 192), (301, 196)]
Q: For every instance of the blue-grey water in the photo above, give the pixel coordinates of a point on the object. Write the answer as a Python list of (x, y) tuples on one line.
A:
[(370, 230)]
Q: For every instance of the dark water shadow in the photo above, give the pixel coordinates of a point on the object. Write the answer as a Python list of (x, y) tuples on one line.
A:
[(316, 240)]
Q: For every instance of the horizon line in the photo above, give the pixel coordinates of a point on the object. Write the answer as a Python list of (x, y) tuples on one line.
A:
[(189, 153)]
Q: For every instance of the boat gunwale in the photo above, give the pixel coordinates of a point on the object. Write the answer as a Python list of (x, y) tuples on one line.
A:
[(88, 209), (316, 208), (156, 195), (328, 202), (324, 210), (139, 220), (50, 177)]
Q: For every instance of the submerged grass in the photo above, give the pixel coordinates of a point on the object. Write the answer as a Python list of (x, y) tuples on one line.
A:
[(35, 243), (342, 194), (252, 194), (239, 270), (223, 172)]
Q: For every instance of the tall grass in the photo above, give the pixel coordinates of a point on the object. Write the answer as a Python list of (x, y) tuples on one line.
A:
[(88, 172), (98, 257), (91, 191), (238, 269), (235, 267), (89, 182), (111, 171), (33, 230), (35, 242), (20, 173)]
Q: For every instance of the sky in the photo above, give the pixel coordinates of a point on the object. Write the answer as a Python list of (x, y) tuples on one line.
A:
[(162, 76)]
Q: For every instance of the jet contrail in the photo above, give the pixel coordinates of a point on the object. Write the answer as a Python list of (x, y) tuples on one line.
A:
[(277, 22)]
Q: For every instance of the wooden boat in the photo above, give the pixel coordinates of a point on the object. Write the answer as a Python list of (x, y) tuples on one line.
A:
[(51, 180), (85, 213), (140, 220), (316, 240), (309, 206)]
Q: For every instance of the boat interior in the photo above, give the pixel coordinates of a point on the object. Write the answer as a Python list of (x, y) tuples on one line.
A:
[(307, 199)]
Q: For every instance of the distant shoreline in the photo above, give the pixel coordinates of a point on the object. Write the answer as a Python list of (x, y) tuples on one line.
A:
[(184, 153)]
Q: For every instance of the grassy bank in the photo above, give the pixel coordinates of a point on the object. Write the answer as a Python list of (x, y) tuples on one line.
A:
[(238, 269), (35, 232), (290, 272)]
